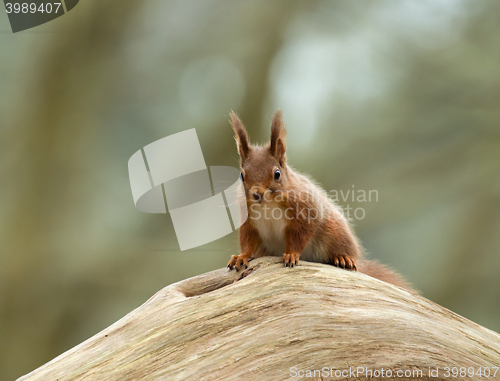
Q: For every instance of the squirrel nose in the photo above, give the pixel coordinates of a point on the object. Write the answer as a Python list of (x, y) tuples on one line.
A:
[(257, 196)]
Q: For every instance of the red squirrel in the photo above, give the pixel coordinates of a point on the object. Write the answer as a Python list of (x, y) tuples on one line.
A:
[(291, 216)]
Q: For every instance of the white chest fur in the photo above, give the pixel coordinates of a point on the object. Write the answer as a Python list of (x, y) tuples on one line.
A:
[(269, 220)]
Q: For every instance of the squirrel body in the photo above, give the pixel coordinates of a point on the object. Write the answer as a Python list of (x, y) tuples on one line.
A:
[(290, 216)]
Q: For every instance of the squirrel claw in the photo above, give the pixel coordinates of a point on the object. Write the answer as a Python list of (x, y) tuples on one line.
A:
[(345, 262), (237, 261), (291, 259)]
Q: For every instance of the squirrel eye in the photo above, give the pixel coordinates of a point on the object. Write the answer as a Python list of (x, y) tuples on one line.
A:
[(277, 175), (241, 177)]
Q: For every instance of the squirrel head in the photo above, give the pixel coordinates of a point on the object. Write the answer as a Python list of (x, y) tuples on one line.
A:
[(263, 168)]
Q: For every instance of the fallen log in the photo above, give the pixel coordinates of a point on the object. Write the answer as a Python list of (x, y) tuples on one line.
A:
[(274, 323)]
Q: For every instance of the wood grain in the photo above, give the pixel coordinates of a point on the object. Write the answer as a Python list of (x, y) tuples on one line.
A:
[(259, 323)]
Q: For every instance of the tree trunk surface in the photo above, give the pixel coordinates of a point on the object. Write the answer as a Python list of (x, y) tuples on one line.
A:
[(274, 323)]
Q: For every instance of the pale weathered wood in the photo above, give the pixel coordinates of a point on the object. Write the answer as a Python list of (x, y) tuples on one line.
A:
[(259, 323)]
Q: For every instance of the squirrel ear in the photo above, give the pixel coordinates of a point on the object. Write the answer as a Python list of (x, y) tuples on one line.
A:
[(278, 134), (240, 136)]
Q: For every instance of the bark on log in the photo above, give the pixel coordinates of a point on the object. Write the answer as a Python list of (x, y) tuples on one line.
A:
[(260, 323)]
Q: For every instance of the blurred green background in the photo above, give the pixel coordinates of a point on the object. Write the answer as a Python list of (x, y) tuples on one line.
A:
[(399, 97)]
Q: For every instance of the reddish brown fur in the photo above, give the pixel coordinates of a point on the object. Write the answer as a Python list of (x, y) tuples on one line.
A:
[(327, 238), (383, 272)]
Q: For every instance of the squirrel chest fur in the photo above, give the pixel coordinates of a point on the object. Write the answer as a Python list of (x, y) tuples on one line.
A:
[(289, 215)]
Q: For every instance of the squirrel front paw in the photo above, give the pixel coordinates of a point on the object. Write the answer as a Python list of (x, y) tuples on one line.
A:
[(237, 261), (291, 259), (345, 262)]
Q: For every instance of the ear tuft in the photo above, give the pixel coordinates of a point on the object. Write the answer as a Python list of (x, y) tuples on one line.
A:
[(278, 135), (241, 136)]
